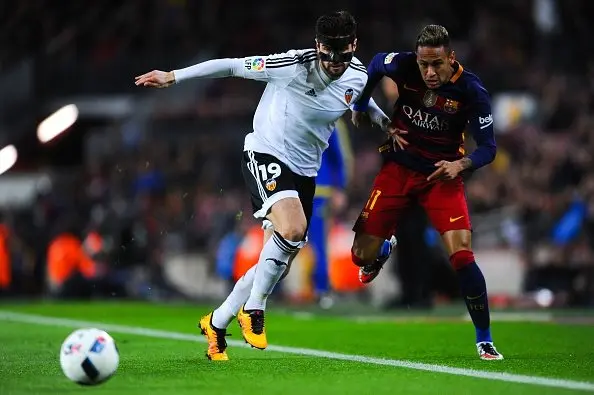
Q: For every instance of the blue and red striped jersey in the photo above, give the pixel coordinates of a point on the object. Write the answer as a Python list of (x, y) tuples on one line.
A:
[(434, 118)]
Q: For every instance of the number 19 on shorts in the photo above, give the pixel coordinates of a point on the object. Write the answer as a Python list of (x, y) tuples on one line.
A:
[(372, 199)]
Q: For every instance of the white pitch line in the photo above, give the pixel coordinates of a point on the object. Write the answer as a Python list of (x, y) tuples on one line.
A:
[(498, 376)]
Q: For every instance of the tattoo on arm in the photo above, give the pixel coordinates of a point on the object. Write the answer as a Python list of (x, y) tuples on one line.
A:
[(466, 163)]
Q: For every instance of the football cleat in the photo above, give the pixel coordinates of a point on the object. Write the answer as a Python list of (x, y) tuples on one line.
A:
[(217, 345), (369, 272), (488, 352), (252, 327)]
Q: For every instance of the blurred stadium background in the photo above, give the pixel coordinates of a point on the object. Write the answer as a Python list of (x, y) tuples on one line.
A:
[(139, 188)]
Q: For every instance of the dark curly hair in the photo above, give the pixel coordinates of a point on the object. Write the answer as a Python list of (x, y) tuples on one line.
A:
[(336, 24)]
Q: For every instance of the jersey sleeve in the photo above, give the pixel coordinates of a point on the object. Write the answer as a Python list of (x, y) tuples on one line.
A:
[(278, 67), (381, 65), (480, 124), (281, 67)]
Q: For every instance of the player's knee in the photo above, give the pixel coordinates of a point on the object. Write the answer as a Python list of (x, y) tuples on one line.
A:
[(457, 240), (365, 249), (293, 231), (461, 259), (289, 219), (463, 244)]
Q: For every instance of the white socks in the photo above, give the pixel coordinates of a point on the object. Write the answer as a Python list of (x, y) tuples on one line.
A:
[(273, 261), (270, 268), (222, 317)]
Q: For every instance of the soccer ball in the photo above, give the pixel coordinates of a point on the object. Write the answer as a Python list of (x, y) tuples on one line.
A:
[(89, 356)]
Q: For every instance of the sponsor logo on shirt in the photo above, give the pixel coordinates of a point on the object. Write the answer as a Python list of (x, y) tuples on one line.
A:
[(389, 57)]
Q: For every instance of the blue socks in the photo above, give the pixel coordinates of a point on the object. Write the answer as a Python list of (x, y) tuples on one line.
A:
[(474, 291)]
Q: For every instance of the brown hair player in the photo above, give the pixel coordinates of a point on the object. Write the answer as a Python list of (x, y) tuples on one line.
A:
[(438, 100), (307, 91)]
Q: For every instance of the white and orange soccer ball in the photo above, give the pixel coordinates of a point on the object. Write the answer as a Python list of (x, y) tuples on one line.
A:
[(89, 356)]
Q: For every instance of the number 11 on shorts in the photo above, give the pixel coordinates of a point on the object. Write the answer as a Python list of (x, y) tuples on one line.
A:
[(372, 199)]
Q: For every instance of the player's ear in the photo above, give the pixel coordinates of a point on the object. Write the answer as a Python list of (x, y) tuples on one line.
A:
[(355, 45), (317, 44), (452, 57)]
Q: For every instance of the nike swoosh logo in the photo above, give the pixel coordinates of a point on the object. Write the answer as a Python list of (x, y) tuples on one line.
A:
[(455, 219), (409, 88), (277, 262), (475, 297)]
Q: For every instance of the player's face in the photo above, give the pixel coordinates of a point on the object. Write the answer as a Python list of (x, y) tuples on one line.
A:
[(336, 68), (435, 64)]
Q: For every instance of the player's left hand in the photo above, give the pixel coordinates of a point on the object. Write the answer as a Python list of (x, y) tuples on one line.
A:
[(446, 170)]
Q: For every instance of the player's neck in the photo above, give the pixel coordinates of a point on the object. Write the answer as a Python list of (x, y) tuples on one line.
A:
[(453, 69)]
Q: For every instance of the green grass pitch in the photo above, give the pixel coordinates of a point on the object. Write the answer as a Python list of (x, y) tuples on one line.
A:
[(406, 356)]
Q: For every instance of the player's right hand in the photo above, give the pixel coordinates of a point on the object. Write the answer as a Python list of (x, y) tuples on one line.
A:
[(396, 136), (156, 79)]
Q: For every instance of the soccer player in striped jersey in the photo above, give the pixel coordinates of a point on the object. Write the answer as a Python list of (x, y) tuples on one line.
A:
[(307, 91), (438, 100)]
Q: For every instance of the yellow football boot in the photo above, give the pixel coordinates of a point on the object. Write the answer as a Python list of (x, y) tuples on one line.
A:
[(215, 338), (252, 327)]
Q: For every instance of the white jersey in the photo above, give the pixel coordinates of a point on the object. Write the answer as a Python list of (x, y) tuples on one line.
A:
[(299, 106), (298, 109)]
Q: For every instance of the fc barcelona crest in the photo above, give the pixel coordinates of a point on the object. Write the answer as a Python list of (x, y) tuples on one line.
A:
[(348, 95), (451, 106), (430, 98)]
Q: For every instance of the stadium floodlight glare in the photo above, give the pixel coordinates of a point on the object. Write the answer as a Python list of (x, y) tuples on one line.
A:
[(8, 157), (57, 123)]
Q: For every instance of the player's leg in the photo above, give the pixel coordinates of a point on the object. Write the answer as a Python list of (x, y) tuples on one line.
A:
[(281, 204), (224, 314), (255, 169), (375, 226), (445, 203), (268, 227)]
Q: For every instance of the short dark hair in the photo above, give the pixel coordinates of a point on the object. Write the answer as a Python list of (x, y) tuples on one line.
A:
[(336, 24), (433, 36)]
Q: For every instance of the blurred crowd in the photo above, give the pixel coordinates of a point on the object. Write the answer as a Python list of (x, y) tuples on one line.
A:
[(178, 186)]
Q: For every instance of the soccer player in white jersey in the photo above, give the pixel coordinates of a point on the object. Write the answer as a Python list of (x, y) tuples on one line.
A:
[(306, 92)]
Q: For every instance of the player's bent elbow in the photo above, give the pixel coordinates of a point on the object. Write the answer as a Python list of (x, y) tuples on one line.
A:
[(493, 153)]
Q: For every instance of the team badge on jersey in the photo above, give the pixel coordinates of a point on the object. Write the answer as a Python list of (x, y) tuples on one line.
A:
[(451, 106), (255, 64), (348, 95), (389, 57), (271, 184), (430, 98)]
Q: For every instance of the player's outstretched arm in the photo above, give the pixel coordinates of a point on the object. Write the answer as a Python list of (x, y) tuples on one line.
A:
[(216, 68), (381, 65), (278, 68), (375, 72)]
